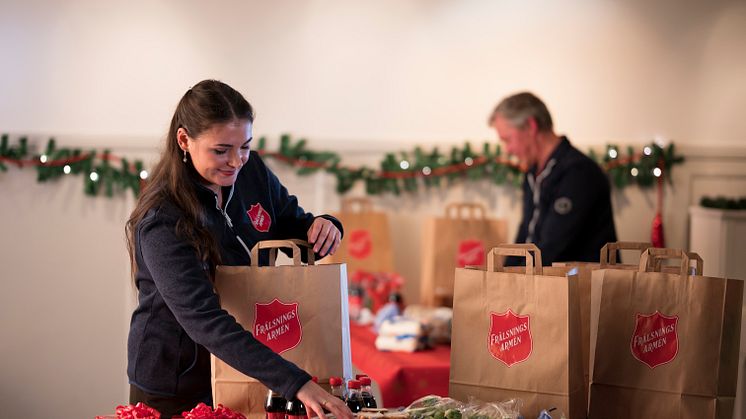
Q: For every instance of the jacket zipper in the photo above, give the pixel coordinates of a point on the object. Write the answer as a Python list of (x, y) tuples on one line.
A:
[(230, 223)]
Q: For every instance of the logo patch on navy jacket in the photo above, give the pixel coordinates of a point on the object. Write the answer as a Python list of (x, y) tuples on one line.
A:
[(259, 218), (563, 205)]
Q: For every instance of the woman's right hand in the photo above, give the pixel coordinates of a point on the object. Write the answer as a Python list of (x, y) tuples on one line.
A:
[(317, 399)]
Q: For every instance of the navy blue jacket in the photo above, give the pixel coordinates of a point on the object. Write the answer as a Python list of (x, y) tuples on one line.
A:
[(567, 209), (178, 320)]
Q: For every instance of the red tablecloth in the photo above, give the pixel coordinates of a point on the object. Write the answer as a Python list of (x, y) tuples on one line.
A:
[(402, 377)]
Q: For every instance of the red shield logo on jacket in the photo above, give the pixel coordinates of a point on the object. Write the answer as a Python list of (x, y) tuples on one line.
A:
[(360, 244), (470, 252), (655, 341), (510, 337), (259, 218), (277, 325)]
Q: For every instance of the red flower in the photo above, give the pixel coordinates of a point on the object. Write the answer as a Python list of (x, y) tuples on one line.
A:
[(203, 411)]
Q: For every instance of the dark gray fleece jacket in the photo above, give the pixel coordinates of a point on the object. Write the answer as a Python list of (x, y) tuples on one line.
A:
[(178, 320)]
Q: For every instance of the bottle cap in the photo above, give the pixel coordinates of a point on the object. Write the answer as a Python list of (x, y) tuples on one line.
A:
[(353, 384), (335, 381), (365, 380)]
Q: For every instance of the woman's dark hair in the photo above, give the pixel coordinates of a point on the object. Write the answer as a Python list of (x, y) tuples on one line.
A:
[(208, 103)]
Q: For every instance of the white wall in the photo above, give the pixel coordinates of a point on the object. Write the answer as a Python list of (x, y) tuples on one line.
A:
[(414, 71), (360, 77)]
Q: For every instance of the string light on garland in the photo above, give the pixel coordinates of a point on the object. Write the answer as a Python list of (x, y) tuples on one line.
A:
[(397, 172), (100, 174)]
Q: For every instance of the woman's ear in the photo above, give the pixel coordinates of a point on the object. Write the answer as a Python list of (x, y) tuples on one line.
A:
[(182, 138)]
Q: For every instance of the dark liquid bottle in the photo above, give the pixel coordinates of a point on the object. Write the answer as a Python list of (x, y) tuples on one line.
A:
[(354, 400), (295, 409), (369, 402), (275, 406), (338, 390)]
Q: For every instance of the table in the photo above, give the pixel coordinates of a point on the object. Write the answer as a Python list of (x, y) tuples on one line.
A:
[(401, 376)]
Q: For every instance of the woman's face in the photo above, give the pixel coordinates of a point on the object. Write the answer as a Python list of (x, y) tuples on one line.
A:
[(219, 152)]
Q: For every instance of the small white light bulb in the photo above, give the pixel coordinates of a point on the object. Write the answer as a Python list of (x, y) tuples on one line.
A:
[(404, 165), (613, 153), (468, 161), (647, 150), (657, 172), (144, 174), (426, 171), (94, 176), (43, 158), (67, 169), (634, 172)]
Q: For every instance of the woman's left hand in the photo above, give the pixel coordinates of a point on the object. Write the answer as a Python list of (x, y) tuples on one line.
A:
[(324, 236)]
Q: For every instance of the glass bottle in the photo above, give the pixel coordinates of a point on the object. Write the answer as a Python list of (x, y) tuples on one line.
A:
[(354, 400), (337, 386), (295, 409), (369, 402), (275, 406)]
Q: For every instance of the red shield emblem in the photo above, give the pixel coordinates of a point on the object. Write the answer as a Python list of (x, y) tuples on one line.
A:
[(259, 218), (277, 325), (655, 341), (360, 244), (470, 252), (510, 337)]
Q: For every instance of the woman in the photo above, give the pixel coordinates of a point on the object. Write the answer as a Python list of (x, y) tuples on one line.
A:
[(207, 202)]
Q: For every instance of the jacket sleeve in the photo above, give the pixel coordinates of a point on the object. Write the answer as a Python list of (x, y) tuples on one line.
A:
[(572, 211), (188, 293), (292, 221)]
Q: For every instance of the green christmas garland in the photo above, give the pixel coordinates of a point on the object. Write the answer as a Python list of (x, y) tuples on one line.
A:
[(399, 172), (721, 202)]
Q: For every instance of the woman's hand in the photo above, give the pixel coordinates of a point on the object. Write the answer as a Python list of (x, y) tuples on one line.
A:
[(317, 399), (324, 236)]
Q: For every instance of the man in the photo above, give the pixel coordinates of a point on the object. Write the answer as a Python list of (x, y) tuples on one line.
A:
[(566, 196)]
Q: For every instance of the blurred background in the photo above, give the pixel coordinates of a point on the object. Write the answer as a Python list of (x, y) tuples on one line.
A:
[(361, 78)]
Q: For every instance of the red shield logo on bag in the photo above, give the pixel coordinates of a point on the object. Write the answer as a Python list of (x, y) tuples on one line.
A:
[(470, 252), (277, 325), (510, 337), (655, 341), (360, 244), (259, 218)]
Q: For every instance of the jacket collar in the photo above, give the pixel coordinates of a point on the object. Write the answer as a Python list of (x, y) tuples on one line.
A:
[(562, 148), (208, 197)]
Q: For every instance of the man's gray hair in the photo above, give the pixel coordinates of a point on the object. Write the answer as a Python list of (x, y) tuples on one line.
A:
[(521, 106)]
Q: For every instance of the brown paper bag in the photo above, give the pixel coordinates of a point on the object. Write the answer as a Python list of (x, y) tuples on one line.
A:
[(367, 242), (607, 260), (516, 335), (663, 344), (461, 238), (314, 333)]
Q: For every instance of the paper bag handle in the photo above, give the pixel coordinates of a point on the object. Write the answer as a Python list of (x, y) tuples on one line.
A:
[(465, 210), (533, 262), (608, 252), (654, 255), (690, 270), (356, 205), (293, 244)]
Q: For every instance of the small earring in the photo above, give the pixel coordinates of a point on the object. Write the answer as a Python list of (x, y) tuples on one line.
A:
[(184, 159)]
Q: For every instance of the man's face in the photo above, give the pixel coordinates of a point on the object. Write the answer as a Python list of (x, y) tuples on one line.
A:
[(519, 142)]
